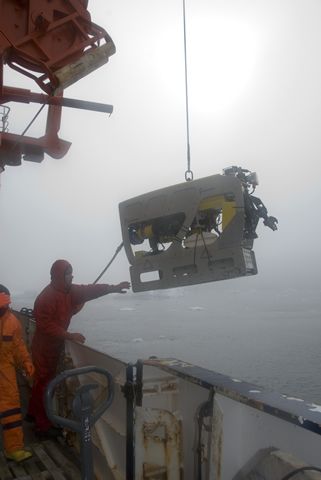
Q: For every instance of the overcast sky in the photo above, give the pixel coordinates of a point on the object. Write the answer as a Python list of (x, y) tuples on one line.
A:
[(254, 91)]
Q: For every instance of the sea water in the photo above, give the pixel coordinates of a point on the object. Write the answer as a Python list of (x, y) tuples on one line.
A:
[(270, 337)]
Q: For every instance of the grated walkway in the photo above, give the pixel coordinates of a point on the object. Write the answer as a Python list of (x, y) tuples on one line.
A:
[(47, 463)]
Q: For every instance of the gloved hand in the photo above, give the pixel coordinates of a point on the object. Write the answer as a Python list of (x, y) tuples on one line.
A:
[(77, 308), (29, 369), (76, 337), (121, 287)]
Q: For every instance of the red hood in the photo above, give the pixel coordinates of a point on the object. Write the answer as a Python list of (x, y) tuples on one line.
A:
[(57, 272)]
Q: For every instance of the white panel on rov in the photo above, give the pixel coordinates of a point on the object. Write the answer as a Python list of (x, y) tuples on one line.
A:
[(187, 234)]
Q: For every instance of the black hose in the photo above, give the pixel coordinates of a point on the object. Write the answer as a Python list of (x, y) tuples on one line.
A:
[(204, 410), (298, 470), (118, 249)]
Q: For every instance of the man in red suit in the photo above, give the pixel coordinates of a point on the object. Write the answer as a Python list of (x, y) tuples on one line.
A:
[(53, 310)]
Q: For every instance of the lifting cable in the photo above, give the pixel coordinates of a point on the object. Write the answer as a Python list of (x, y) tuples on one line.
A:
[(188, 172), (299, 470), (118, 249), (34, 118), (29, 124)]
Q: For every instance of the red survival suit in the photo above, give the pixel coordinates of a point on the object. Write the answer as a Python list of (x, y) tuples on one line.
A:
[(13, 354), (53, 310)]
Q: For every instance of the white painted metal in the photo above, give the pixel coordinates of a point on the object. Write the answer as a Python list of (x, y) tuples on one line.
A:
[(157, 444), (239, 428)]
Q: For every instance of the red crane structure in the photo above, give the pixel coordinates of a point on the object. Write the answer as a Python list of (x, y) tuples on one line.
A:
[(54, 43)]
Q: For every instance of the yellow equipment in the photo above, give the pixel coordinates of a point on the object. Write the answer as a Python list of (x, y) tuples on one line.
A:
[(193, 232)]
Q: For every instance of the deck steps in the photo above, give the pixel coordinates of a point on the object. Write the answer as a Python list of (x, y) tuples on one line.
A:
[(47, 463)]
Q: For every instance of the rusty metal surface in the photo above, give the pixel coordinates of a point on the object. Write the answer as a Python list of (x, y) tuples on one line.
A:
[(290, 409), (55, 44), (193, 418), (158, 444), (216, 449), (41, 37)]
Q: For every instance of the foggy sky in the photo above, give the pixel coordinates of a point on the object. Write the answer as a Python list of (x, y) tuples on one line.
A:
[(254, 91)]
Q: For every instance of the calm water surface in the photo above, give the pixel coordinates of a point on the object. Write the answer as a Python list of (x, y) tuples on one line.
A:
[(271, 338)]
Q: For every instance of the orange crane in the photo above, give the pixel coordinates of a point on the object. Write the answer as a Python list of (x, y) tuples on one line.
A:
[(55, 43)]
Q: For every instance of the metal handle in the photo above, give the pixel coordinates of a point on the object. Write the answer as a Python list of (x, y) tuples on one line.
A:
[(93, 417)]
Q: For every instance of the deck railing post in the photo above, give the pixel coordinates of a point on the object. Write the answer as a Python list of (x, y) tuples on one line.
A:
[(130, 440)]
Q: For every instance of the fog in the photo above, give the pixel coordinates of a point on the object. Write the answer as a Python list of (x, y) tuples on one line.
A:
[(254, 75)]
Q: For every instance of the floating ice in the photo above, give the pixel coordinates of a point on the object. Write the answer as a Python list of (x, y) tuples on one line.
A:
[(315, 408), (293, 398)]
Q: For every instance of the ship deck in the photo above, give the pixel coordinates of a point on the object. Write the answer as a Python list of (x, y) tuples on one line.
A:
[(51, 460), (48, 462)]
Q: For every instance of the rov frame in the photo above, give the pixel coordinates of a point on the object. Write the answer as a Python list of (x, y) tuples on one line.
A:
[(195, 232)]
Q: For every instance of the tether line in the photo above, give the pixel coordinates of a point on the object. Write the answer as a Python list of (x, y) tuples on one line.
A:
[(188, 173)]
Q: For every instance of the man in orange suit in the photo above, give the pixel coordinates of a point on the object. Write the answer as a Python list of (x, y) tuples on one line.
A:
[(13, 354)]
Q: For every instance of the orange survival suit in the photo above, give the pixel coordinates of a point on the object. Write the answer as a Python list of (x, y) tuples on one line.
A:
[(53, 309), (13, 354)]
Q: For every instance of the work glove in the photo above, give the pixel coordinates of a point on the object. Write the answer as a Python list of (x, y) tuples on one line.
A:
[(121, 287), (77, 308), (76, 337), (29, 369)]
